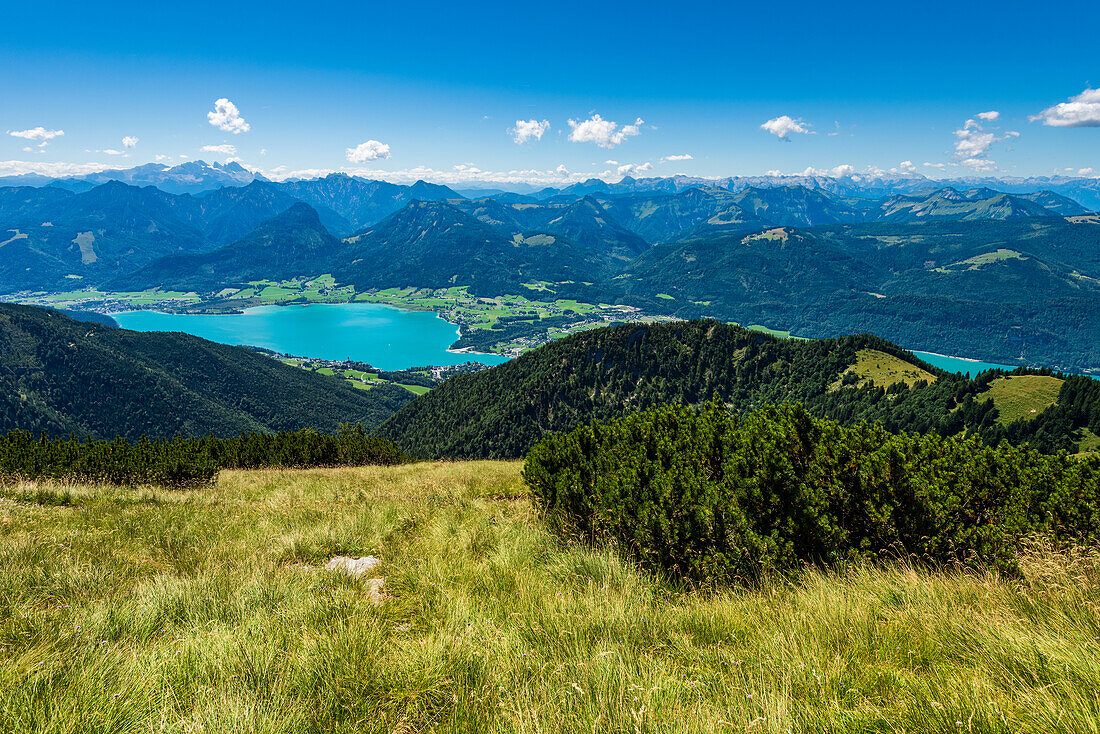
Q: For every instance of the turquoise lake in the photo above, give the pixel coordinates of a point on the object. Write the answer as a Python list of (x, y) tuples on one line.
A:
[(383, 336), (968, 367)]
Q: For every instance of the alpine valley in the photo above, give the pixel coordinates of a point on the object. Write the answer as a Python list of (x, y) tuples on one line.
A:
[(1003, 270)]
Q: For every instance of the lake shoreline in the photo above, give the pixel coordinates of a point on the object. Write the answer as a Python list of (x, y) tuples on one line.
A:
[(385, 336)]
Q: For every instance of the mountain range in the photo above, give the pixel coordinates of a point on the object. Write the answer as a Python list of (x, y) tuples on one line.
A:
[(1013, 278)]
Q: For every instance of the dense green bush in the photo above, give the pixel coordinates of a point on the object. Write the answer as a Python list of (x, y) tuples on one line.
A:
[(183, 462), (706, 496)]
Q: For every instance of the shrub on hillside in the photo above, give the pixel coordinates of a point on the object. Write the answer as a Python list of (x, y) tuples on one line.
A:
[(184, 462), (706, 496)]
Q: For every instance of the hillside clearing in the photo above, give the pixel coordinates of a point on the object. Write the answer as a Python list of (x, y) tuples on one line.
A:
[(885, 370), (130, 610), (1022, 397)]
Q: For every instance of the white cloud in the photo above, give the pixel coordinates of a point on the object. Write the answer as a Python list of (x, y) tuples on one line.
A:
[(457, 175), (1082, 110), (112, 151), (183, 157), (159, 157), (604, 133), (129, 141), (773, 172), (371, 150), (979, 164), (225, 149), (907, 167), (53, 169), (682, 157), (784, 126), (609, 163), (632, 169), (1086, 172), (937, 166), (973, 142), (263, 151), (227, 117), (841, 171), (526, 130), (38, 134)]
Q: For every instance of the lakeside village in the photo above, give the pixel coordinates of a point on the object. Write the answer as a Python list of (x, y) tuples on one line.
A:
[(365, 376)]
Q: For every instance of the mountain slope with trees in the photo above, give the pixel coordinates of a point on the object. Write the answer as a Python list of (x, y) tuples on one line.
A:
[(606, 373), (60, 376)]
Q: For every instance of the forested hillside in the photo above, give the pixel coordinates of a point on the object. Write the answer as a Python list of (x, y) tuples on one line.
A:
[(606, 373), (1014, 291), (60, 376)]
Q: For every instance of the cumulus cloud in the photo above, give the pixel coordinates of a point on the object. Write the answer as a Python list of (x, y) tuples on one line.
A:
[(973, 142), (681, 157), (227, 117), (38, 134), (633, 169), (979, 164), (841, 171), (372, 150), (112, 151), (907, 167), (604, 133), (526, 130), (1082, 110), (129, 141), (784, 126), (1086, 172), (161, 157), (224, 149)]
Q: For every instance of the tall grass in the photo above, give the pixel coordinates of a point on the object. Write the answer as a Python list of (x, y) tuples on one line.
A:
[(136, 610)]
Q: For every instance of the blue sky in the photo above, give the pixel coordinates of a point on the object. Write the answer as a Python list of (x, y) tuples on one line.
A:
[(440, 87)]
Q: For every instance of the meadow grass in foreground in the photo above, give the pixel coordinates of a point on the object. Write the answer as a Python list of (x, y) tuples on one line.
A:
[(137, 610)]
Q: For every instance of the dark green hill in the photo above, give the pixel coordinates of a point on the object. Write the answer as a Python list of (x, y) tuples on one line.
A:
[(949, 204), (229, 213), (56, 239), (288, 245), (667, 217), (1021, 291), (1056, 203), (60, 376), (435, 245), (605, 373), (51, 238), (798, 206), (584, 222), (359, 201)]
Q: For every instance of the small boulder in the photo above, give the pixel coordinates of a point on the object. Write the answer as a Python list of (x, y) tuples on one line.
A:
[(356, 567)]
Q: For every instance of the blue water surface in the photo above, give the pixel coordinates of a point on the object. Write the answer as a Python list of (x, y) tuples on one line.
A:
[(383, 336)]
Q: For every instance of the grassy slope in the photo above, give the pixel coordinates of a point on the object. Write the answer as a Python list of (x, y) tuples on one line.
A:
[(133, 611), (885, 369), (1019, 397)]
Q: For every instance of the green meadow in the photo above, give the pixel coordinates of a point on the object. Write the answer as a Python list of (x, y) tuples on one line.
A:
[(141, 610)]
